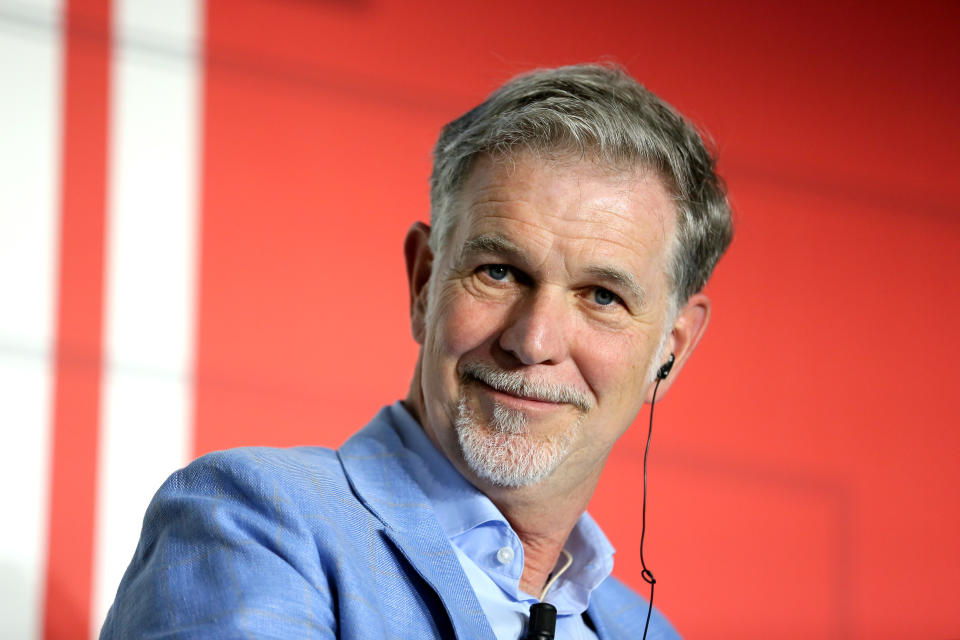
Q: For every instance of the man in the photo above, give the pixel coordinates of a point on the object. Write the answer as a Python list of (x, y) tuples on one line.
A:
[(575, 220)]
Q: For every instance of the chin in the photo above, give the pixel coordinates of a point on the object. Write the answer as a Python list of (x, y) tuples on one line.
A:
[(501, 449)]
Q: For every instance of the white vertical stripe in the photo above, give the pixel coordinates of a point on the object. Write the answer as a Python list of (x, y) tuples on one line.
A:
[(150, 272), (30, 111)]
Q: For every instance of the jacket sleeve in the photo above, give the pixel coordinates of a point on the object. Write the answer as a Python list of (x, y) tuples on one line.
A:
[(224, 553)]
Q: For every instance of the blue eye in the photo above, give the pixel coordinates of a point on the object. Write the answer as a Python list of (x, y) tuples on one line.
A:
[(604, 296), (497, 271)]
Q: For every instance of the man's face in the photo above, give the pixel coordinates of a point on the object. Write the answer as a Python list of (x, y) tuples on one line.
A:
[(545, 316)]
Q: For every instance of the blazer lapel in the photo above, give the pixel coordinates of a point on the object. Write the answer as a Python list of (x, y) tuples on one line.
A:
[(373, 462), (600, 618), (437, 564)]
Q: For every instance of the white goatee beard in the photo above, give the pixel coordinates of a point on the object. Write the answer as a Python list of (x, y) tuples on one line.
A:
[(504, 452)]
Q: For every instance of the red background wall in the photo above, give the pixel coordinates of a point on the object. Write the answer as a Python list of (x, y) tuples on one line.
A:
[(803, 474)]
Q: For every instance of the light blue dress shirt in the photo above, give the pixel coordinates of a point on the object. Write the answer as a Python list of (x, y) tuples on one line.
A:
[(490, 551)]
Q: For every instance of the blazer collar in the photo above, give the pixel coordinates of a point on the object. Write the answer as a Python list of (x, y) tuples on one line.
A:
[(374, 462)]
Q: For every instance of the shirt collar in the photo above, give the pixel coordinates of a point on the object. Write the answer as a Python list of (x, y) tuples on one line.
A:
[(469, 520)]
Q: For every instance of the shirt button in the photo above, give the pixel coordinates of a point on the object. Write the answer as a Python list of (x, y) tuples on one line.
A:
[(504, 555)]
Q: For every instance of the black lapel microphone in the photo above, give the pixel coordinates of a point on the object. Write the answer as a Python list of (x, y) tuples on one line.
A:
[(543, 621), (543, 615), (646, 574)]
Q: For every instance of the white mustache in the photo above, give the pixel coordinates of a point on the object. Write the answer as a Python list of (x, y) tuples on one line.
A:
[(515, 383)]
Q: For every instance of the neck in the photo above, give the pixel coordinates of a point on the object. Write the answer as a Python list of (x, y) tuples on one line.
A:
[(542, 519), (542, 515)]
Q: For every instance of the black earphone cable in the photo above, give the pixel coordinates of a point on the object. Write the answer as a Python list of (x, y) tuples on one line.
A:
[(646, 574)]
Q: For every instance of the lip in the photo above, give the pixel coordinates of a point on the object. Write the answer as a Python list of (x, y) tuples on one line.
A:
[(522, 403)]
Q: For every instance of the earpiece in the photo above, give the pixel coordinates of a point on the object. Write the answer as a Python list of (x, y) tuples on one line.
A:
[(646, 574), (664, 371)]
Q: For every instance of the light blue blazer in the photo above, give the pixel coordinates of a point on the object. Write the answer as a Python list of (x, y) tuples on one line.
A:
[(313, 543)]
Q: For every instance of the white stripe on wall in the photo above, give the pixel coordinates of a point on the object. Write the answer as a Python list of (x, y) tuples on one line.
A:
[(30, 114), (149, 301)]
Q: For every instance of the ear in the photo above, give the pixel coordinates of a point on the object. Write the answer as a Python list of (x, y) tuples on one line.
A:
[(419, 258), (684, 337)]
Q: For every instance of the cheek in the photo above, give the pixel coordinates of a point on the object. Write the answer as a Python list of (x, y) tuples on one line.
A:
[(614, 365), (460, 323)]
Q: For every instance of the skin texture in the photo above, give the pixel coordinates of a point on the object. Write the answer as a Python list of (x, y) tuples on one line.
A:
[(556, 269)]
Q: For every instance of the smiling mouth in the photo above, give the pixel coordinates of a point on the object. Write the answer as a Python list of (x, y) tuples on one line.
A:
[(512, 387), (523, 403), (516, 396)]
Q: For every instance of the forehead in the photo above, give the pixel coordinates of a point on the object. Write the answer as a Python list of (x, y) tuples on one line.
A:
[(576, 206)]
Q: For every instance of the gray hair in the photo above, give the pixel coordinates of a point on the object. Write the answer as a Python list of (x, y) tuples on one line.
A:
[(601, 110)]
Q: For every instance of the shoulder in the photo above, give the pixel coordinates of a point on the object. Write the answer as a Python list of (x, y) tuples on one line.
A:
[(266, 460), (266, 542), (233, 493), (623, 612), (250, 472), (248, 537), (259, 468), (295, 480)]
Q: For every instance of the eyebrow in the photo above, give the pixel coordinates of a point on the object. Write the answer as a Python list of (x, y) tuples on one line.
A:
[(490, 243), (499, 245)]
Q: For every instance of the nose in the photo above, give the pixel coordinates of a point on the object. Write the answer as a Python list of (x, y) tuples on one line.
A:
[(536, 331)]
